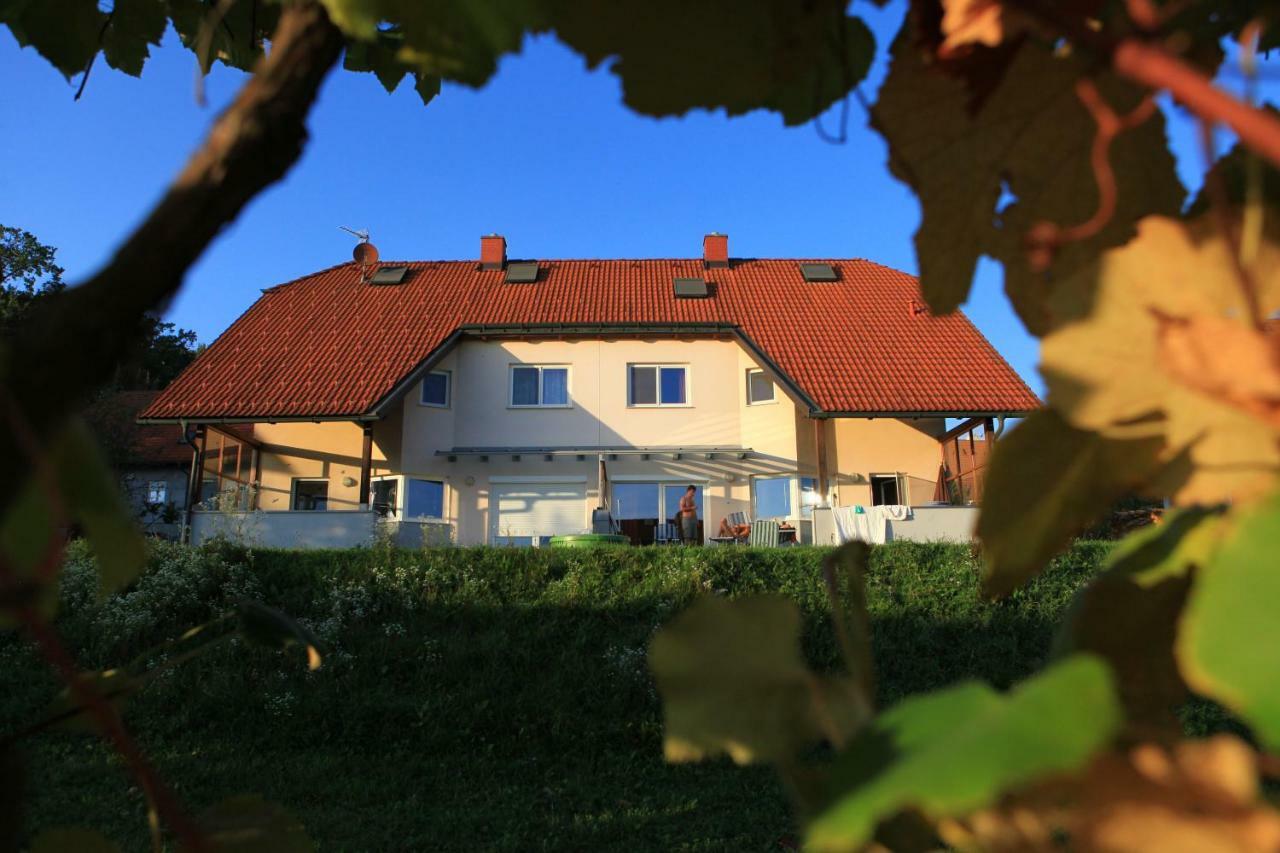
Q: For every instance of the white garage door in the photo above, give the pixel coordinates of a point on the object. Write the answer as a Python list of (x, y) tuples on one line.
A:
[(526, 513)]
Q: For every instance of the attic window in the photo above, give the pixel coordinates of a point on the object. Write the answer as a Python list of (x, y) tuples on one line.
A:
[(522, 272), (690, 288), (388, 275), (818, 272)]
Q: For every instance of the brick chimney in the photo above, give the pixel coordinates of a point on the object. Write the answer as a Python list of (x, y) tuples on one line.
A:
[(715, 250), (493, 252)]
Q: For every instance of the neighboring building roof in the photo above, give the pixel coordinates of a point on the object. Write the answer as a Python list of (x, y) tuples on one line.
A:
[(328, 345), (112, 419)]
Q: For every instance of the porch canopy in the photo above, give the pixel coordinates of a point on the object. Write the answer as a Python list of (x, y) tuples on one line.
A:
[(548, 453)]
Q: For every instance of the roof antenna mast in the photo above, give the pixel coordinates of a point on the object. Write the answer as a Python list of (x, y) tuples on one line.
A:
[(365, 253)]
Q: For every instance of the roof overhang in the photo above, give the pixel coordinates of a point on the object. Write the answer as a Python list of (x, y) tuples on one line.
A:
[(691, 451), (551, 330)]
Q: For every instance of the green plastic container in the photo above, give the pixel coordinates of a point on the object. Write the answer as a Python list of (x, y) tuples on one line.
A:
[(590, 540)]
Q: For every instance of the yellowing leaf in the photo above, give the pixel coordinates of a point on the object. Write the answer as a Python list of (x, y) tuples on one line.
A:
[(733, 681), (1224, 647), (79, 840), (1030, 135), (957, 750), (1198, 797), (1046, 482), (249, 824), (1219, 358), (1104, 367), (966, 22)]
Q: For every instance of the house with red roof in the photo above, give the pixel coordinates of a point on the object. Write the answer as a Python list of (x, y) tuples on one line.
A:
[(505, 401)]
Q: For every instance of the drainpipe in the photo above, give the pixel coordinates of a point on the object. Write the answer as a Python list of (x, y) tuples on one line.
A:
[(196, 478)]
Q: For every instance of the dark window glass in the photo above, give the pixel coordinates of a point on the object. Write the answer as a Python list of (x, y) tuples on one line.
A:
[(311, 494), (524, 386), (384, 498), (644, 386), (759, 388), (435, 389)]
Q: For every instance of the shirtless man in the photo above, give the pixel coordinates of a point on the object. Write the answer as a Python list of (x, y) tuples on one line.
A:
[(737, 531), (689, 516)]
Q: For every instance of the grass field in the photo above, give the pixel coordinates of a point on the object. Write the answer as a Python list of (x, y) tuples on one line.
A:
[(478, 699)]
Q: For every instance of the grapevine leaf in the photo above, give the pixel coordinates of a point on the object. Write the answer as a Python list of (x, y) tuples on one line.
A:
[(88, 495), (236, 40), (672, 56), (1106, 369), (1223, 648), (1031, 136), (94, 500), (733, 681), (249, 824), (956, 750), (377, 56), (66, 34), (1129, 613), (80, 840), (134, 26), (271, 628), (1232, 172), (1047, 481)]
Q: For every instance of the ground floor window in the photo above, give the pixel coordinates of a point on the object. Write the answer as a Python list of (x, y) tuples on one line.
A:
[(640, 507), (157, 492), (422, 498), (310, 495), (771, 497), (885, 490)]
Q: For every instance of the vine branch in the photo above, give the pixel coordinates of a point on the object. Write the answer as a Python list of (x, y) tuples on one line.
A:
[(250, 146), (1044, 238)]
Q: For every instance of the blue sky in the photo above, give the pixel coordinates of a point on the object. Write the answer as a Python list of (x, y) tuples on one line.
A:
[(545, 154)]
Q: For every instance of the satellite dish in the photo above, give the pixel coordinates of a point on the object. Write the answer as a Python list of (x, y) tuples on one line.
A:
[(365, 254)]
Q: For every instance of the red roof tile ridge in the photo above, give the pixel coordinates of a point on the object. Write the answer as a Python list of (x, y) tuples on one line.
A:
[(310, 275)]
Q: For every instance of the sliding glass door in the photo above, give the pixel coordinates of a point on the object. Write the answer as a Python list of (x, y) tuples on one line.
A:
[(640, 507)]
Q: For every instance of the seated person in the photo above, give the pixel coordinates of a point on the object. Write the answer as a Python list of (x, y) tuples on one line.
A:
[(735, 531)]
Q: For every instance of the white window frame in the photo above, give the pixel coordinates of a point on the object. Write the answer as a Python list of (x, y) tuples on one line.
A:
[(511, 386), (448, 390), (688, 385), (293, 493), (773, 385), (164, 489), (402, 496)]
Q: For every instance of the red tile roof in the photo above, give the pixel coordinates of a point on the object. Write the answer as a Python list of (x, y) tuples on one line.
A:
[(328, 345)]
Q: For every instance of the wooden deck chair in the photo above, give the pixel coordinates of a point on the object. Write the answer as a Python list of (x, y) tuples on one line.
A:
[(764, 533)]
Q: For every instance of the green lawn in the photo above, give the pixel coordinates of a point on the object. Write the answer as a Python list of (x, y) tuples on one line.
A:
[(479, 699)]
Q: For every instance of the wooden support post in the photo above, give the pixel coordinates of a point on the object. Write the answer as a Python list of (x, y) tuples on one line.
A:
[(820, 449), (366, 467)]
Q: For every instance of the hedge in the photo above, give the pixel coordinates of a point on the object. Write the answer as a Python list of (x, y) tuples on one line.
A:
[(482, 698)]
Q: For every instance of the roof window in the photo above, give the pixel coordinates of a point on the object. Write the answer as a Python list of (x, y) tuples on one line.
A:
[(388, 275), (818, 272), (522, 272), (690, 288)]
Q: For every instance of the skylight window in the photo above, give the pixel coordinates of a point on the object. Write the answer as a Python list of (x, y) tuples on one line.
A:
[(388, 275), (522, 272), (818, 272), (690, 288)]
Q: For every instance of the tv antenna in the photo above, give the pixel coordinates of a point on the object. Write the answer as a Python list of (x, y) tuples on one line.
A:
[(365, 253)]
